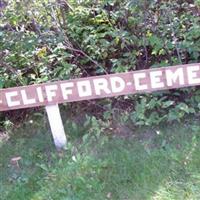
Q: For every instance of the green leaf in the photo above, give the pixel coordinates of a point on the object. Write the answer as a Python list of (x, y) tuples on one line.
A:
[(167, 104), (1, 83)]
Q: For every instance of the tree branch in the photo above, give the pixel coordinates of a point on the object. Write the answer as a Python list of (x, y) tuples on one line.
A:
[(87, 56)]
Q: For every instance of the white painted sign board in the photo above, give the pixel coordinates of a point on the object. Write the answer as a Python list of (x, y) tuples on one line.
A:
[(54, 93)]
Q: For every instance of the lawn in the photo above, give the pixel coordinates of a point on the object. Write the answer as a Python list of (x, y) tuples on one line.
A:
[(154, 163)]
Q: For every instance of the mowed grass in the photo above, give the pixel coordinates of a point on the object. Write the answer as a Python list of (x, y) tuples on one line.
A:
[(161, 163)]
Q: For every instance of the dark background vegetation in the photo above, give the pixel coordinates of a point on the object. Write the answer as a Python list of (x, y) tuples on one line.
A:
[(48, 40)]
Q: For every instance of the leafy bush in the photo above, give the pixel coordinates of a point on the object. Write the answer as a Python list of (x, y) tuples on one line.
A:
[(42, 41)]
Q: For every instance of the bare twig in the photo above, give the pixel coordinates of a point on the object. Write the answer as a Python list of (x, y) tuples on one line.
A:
[(9, 68), (175, 38), (84, 54), (144, 37), (64, 6), (69, 6)]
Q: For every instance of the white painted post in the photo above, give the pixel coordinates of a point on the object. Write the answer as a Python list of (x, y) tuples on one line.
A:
[(56, 125)]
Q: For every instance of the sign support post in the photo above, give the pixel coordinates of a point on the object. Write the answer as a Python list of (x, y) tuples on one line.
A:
[(56, 125)]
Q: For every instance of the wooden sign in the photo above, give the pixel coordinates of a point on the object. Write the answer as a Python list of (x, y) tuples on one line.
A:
[(52, 94), (100, 87)]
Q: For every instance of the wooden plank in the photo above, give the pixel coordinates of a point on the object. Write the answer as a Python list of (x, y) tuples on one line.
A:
[(100, 86)]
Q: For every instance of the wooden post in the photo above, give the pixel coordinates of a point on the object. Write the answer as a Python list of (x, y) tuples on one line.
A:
[(56, 125)]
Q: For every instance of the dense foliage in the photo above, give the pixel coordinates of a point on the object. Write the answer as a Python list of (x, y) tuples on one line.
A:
[(49, 40)]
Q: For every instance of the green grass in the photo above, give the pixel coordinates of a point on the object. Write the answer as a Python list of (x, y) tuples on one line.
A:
[(158, 164)]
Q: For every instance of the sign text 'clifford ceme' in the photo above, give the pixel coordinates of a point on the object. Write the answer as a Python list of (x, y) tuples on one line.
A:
[(100, 87)]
